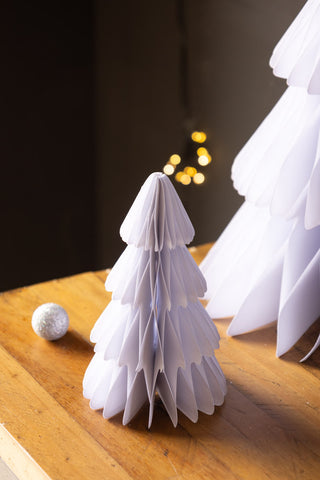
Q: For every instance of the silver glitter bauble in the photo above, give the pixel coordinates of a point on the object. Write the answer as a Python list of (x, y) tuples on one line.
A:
[(50, 321)]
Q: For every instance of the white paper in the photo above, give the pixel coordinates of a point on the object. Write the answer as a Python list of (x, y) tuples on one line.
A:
[(241, 256), (265, 265), (297, 56), (269, 171), (278, 278), (155, 336)]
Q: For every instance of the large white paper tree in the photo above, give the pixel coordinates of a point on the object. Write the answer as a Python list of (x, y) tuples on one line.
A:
[(155, 336), (266, 264)]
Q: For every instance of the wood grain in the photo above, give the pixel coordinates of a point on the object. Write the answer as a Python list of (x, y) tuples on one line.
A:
[(268, 427)]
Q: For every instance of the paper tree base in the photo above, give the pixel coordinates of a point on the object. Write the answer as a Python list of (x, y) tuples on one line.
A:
[(175, 359)]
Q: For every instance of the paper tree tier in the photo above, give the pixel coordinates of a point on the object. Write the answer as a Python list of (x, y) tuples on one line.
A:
[(266, 264), (297, 56), (155, 337)]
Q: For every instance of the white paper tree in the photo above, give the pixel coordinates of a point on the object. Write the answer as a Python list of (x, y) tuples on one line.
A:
[(266, 264), (155, 336)]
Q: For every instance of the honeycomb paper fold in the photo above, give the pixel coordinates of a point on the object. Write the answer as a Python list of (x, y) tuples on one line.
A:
[(297, 55), (265, 265), (155, 337)]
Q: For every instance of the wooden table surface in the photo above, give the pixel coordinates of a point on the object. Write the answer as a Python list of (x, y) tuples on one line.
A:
[(268, 427)]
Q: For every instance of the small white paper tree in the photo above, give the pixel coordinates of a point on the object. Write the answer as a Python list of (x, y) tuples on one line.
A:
[(155, 336), (265, 265)]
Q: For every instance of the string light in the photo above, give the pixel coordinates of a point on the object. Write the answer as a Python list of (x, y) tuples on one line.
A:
[(191, 171), (199, 137), (168, 169), (202, 151), (204, 160), (185, 179), (199, 178), (175, 159), (178, 176)]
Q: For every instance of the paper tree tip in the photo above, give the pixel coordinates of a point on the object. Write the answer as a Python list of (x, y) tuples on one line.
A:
[(157, 217)]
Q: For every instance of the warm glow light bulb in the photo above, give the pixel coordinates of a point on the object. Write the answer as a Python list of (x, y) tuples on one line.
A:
[(185, 179), (202, 151), (175, 159), (178, 176), (199, 137), (191, 171), (168, 169), (199, 178), (204, 160)]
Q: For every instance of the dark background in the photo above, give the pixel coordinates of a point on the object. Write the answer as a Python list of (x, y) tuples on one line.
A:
[(98, 94)]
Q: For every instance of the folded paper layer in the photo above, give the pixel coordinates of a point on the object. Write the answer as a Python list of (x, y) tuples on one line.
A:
[(269, 171), (265, 265), (273, 276), (297, 56), (155, 337)]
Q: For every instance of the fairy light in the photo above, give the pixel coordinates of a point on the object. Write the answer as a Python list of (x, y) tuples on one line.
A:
[(178, 176), (199, 178), (204, 160), (202, 151), (175, 159), (191, 171), (185, 179), (199, 137), (168, 169)]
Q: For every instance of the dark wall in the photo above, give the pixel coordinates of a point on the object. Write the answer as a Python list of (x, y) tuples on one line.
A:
[(92, 103), (46, 140), (137, 104)]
